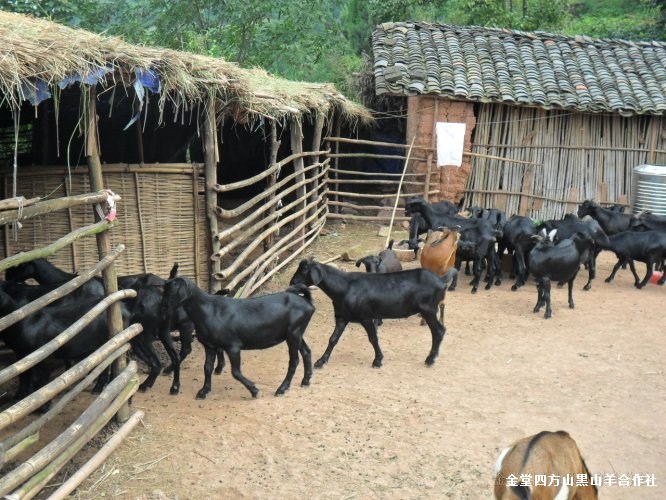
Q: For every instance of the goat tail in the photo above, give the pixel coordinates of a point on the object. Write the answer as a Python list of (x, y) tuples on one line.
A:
[(301, 290), (174, 271), (390, 245)]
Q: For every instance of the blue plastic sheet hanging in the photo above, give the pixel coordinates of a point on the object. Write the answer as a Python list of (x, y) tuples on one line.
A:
[(145, 78), (35, 91), (95, 75)]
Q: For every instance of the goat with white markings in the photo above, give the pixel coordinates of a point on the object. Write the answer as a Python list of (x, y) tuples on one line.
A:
[(366, 297), (548, 455), (553, 262), (233, 325)]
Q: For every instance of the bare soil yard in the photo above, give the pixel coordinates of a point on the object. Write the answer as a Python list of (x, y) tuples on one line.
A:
[(406, 430)]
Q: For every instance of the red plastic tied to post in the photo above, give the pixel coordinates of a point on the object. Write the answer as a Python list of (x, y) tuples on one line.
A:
[(111, 204)]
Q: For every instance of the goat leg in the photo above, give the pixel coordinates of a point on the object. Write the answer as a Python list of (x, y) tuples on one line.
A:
[(208, 370), (306, 354), (235, 361), (220, 362), (571, 300), (648, 273), (371, 330), (546, 297), (167, 341), (540, 301), (437, 331), (620, 261), (340, 325), (294, 345)]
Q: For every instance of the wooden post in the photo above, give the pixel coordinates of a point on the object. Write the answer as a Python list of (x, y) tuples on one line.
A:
[(44, 119), (523, 206), (272, 179), (139, 133), (336, 161), (109, 276), (195, 207), (427, 179), (297, 148), (313, 187), (210, 165)]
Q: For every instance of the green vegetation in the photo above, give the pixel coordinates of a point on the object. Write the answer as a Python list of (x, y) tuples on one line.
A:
[(324, 40)]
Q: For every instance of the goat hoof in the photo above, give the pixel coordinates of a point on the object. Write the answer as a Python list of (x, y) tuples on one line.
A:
[(587, 287), (474, 290), (430, 361), (547, 315), (498, 282), (202, 394), (143, 388), (168, 370), (377, 363), (638, 285), (514, 288), (572, 306), (279, 392), (255, 392), (305, 383), (608, 280), (488, 286), (218, 371), (174, 391), (319, 363), (452, 288)]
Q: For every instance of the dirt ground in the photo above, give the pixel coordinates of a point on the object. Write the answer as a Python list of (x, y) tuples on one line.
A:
[(407, 430)]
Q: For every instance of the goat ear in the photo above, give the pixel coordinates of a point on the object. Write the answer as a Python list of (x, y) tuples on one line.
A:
[(551, 235), (544, 233), (315, 274), (359, 262)]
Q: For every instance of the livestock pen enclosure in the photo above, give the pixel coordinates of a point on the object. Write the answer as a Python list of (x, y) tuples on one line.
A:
[(406, 430)]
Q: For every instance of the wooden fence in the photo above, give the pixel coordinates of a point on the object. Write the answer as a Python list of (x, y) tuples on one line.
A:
[(358, 194), (543, 163), (162, 217), (278, 223), (25, 473)]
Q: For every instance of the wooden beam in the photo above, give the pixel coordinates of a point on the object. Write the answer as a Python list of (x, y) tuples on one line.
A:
[(297, 148), (109, 276), (210, 165)]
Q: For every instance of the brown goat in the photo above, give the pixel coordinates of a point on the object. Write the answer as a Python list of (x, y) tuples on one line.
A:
[(439, 254), (544, 460)]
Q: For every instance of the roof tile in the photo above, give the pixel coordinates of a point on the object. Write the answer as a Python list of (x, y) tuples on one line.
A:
[(536, 69)]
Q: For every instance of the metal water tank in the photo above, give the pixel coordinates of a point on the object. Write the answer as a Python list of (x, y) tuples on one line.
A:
[(649, 189)]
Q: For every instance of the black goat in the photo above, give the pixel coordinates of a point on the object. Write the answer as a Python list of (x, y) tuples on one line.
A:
[(611, 221), (517, 239), (591, 236), (647, 221), (477, 241), (645, 246), (366, 297), (44, 325), (549, 262), (386, 262), (45, 273), (232, 325), (418, 225)]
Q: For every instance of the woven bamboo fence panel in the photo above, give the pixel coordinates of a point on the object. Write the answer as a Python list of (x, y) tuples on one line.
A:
[(584, 156), (160, 219)]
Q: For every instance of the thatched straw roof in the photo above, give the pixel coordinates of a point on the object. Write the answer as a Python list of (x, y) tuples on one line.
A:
[(35, 52)]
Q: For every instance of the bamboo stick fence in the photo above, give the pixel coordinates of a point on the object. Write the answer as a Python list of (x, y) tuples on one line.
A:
[(285, 217), (27, 472), (358, 194), (570, 157)]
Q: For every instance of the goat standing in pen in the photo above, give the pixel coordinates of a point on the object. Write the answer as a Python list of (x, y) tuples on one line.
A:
[(366, 297), (439, 255), (549, 455), (553, 262), (233, 325)]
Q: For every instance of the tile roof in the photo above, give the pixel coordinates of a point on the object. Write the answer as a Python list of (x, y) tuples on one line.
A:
[(532, 69)]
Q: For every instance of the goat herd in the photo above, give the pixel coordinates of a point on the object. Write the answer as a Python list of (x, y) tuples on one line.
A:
[(550, 250)]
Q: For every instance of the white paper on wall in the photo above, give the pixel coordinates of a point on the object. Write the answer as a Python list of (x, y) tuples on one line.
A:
[(450, 143)]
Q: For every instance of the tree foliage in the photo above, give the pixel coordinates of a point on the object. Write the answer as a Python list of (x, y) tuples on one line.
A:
[(324, 40)]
